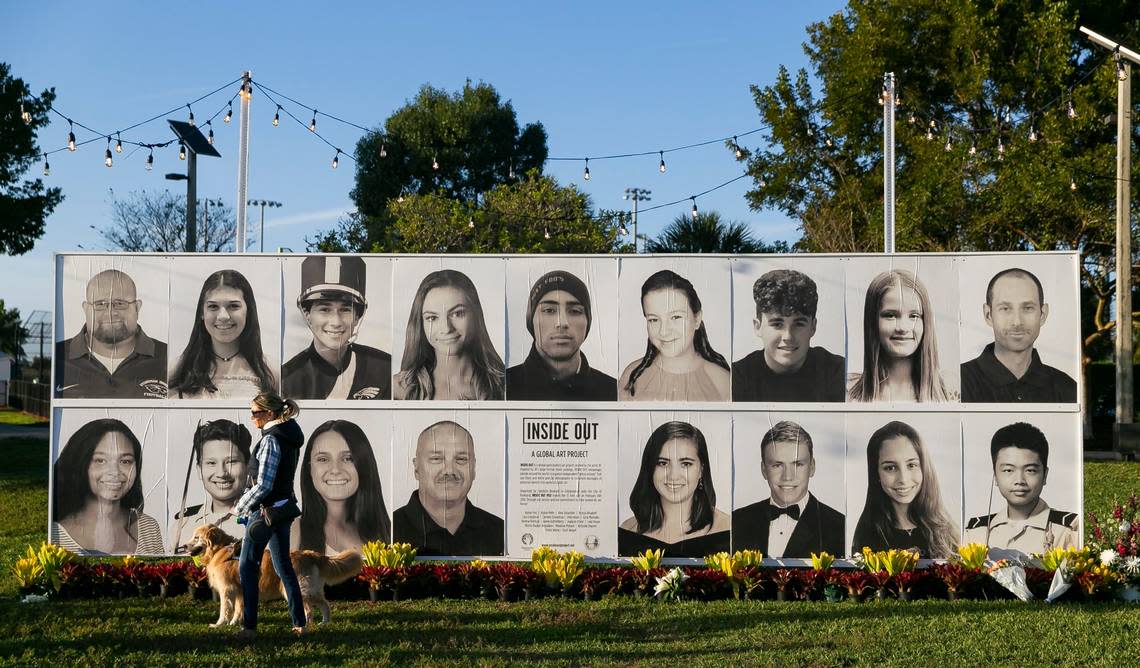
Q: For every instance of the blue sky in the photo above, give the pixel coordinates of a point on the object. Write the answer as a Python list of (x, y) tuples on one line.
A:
[(602, 77)]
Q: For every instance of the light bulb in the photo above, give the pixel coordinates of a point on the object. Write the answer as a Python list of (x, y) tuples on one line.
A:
[(336, 159), (929, 134), (229, 113), (25, 114), (47, 166), (948, 146), (150, 161), (1072, 112), (383, 150), (471, 222), (622, 231), (973, 149), (882, 98), (70, 137), (694, 206), (118, 144), (828, 142), (762, 183), (181, 151), (210, 136), (586, 172), (191, 119), (108, 159), (546, 232), (434, 163), (810, 132), (1001, 150), (277, 116), (313, 123), (911, 119), (661, 167), (1072, 184), (400, 198), (1032, 134), (739, 151), (511, 170), (1121, 73)]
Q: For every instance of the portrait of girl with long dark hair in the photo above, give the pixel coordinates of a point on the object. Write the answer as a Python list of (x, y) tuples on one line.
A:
[(224, 357)]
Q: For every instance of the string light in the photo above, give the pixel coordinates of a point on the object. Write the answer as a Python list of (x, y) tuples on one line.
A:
[(118, 143), (948, 146), (229, 113), (400, 199), (661, 167), (336, 159), (47, 166), (1032, 133), (694, 207), (882, 98), (739, 151), (70, 136), (383, 150), (107, 157), (150, 160), (181, 151), (1121, 72), (471, 223), (762, 183), (911, 119), (827, 142), (313, 123), (191, 119), (973, 148), (210, 136), (277, 116), (546, 232), (930, 132), (511, 170), (622, 230), (1071, 112), (25, 114), (1001, 150), (586, 172), (434, 163), (1072, 184)]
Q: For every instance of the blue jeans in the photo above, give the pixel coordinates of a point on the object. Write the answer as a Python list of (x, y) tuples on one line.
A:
[(259, 535)]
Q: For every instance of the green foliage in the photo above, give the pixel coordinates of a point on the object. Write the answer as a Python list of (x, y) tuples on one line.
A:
[(707, 232), (512, 218), (12, 332), (472, 138), (24, 205)]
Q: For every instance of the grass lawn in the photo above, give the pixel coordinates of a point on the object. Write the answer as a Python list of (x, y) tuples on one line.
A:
[(623, 631), (21, 419)]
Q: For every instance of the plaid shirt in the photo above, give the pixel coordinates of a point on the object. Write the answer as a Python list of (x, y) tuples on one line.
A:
[(265, 459)]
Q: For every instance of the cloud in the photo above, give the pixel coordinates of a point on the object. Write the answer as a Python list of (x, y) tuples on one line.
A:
[(303, 218)]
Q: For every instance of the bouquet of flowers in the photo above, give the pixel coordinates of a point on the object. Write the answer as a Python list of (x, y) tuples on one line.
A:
[(1116, 543), (669, 585)]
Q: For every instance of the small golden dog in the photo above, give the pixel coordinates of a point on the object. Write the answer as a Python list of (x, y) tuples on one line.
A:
[(314, 571)]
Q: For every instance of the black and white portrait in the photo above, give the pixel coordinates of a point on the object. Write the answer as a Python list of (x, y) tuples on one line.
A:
[(788, 331), (107, 481), (111, 327), (208, 454), (1020, 328), (338, 328), (676, 483), (1023, 480), (790, 494), (904, 482), (902, 329), (344, 480), (227, 347), (562, 329), (450, 322), (675, 329), (448, 482)]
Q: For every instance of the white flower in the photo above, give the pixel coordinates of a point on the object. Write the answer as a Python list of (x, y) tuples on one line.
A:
[(669, 585), (1125, 527), (1132, 565), (1108, 557)]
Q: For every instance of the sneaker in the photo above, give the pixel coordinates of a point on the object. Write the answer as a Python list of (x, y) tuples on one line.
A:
[(300, 630)]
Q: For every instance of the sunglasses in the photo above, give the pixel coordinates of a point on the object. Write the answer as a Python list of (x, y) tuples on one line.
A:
[(259, 413)]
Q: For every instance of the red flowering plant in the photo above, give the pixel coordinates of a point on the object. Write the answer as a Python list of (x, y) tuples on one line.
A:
[(1116, 542), (961, 581), (856, 582), (706, 584)]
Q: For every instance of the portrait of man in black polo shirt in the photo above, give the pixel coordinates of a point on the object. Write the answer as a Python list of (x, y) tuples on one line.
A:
[(334, 366), (111, 357), (558, 317), (439, 519), (1009, 369), (791, 522), (787, 368)]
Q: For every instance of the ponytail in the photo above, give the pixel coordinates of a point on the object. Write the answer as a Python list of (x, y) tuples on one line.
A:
[(285, 409)]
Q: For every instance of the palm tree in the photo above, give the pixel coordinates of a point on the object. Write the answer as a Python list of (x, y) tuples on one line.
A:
[(708, 233)]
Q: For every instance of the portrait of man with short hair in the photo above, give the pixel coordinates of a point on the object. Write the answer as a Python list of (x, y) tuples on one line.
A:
[(787, 367), (1010, 369), (111, 357), (334, 366), (439, 519), (558, 318), (791, 522), (1020, 456)]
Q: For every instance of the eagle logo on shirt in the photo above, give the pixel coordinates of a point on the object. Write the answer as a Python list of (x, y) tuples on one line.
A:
[(154, 388), (366, 393)]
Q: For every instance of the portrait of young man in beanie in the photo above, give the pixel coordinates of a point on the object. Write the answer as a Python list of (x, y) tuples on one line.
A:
[(558, 317), (334, 366)]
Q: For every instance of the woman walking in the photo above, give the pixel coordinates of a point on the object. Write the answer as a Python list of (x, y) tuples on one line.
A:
[(272, 469)]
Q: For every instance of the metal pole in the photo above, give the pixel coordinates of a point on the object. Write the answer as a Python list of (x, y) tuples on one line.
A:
[(261, 244), (40, 373), (635, 225), (243, 162), (889, 162), (1124, 404), (191, 201)]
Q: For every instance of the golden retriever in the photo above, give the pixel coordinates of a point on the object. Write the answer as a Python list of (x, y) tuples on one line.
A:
[(216, 549)]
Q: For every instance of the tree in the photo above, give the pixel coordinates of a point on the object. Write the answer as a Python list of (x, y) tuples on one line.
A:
[(461, 145), (156, 222), (12, 332), (989, 157), (708, 233), (24, 205), (534, 215)]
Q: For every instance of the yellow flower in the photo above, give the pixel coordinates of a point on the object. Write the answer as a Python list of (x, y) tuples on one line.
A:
[(821, 561), (973, 555), (647, 560)]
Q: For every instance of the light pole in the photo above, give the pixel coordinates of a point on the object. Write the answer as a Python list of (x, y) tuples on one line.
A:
[(637, 195), (263, 203), (1123, 55)]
